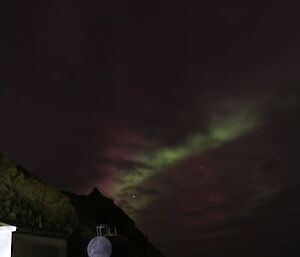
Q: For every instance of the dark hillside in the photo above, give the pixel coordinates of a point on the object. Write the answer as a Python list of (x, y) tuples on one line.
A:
[(28, 202), (95, 209)]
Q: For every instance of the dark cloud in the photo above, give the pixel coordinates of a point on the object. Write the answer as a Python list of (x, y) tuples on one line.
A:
[(130, 165), (243, 192)]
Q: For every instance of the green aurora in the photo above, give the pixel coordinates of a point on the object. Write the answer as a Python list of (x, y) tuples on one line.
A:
[(222, 129)]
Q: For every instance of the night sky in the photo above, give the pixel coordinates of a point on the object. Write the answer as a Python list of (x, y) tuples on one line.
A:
[(185, 113)]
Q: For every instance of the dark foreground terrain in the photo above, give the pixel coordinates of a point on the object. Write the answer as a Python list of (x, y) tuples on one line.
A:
[(27, 202)]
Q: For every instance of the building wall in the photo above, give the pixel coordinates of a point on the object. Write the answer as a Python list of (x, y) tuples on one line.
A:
[(5, 243), (27, 245)]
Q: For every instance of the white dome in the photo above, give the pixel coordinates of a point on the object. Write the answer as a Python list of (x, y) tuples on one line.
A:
[(99, 247)]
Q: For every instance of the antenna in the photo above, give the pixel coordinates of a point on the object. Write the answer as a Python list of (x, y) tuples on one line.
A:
[(105, 231)]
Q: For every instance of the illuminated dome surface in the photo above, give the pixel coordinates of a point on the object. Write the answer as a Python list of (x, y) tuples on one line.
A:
[(99, 247)]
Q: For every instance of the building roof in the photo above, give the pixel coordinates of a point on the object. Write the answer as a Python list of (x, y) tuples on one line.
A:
[(41, 232), (7, 227), (21, 228)]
